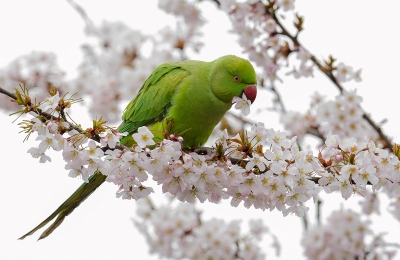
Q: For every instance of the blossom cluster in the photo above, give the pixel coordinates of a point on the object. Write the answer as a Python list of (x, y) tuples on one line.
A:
[(188, 10), (256, 32), (39, 70), (342, 116), (358, 164), (179, 232), (84, 157), (187, 33), (344, 237), (355, 165), (270, 45)]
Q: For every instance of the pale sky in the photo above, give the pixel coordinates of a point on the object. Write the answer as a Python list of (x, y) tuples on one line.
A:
[(359, 33)]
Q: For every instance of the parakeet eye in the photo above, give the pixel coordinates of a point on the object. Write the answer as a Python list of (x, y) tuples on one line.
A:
[(236, 78)]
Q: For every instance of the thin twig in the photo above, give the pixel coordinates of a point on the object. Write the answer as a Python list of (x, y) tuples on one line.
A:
[(40, 112), (241, 119), (5, 92), (82, 13), (278, 97), (318, 213), (390, 244), (304, 219), (52, 117), (314, 131)]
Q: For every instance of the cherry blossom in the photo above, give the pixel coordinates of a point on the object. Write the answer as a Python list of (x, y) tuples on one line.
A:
[(242, 104), (50, 103), (143, 137), (38, 153)]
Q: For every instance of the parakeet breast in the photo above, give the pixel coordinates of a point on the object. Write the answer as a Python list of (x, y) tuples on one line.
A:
[(194, 113)]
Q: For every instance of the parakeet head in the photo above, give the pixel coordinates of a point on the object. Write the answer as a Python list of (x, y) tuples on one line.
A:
[(232, 76)]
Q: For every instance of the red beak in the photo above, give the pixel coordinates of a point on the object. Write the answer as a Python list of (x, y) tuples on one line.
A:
[(251, 92)]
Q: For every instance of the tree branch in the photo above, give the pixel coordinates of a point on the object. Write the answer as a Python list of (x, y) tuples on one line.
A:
[(52, 117), (304, 219), (329, 74), (241, 119), (318, 211), (5, 92)]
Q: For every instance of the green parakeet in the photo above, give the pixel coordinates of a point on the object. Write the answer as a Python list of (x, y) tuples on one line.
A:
[(186, 98)]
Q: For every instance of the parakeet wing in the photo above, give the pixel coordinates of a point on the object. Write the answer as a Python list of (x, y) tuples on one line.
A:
[(154, 98)]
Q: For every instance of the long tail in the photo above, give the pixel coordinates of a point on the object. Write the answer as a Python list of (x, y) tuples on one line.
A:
[(82, 193)]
